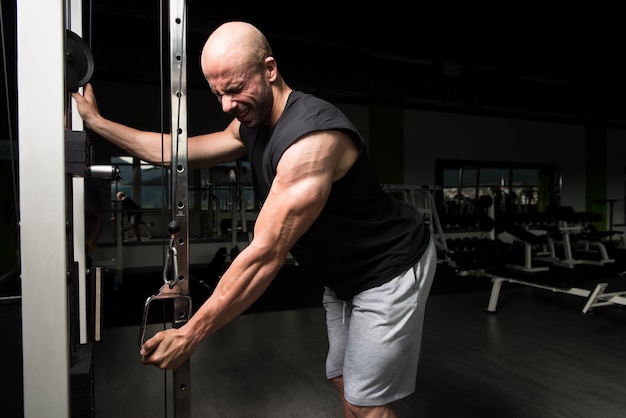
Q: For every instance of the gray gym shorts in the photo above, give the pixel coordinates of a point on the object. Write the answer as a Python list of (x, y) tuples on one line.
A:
[(374, 339)]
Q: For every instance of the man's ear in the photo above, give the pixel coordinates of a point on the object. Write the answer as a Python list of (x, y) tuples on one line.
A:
[(271, 68)]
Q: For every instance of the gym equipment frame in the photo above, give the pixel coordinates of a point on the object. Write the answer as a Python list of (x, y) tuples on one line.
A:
[(44, 283)]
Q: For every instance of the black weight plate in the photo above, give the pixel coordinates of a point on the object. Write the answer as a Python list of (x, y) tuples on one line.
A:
[(79, 63)]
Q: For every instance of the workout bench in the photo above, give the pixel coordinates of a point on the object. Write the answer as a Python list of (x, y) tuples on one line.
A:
[(530, 241), (595, 298)]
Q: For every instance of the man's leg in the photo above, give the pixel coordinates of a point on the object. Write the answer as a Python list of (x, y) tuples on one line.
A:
[(382, 341), (337, 325), (338, 382), (353, 411)]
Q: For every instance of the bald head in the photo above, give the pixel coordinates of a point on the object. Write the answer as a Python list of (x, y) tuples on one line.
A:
[(235, 44), (237, 63)]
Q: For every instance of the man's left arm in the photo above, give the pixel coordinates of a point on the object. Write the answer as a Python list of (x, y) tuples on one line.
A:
[(298, 194)]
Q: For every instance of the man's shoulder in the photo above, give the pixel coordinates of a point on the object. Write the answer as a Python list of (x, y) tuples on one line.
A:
[(308, 107), (301, 98)]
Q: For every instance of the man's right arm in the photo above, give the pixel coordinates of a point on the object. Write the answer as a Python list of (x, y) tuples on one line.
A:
[(141, 144), (203, 150)]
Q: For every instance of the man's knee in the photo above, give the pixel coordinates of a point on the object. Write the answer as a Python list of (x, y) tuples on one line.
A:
[(383, 411), (337, 382)]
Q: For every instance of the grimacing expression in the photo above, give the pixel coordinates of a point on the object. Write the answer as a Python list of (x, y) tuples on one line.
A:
[(244, 94)]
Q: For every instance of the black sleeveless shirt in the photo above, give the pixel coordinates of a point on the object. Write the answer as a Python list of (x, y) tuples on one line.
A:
[(363, 237)]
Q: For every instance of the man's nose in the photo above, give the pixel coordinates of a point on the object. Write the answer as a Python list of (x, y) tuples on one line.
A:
[(228, 104)]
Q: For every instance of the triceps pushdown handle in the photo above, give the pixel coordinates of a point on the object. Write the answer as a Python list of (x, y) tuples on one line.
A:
[(165, 293)]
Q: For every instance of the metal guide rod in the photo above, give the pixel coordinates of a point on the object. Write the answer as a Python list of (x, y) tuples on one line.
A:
[(179, 172), (75, 24)]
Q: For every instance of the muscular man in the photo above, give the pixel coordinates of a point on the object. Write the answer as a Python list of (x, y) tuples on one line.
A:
[(321, 201)]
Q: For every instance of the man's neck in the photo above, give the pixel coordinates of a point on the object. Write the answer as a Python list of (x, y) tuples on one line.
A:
[(281, 95)]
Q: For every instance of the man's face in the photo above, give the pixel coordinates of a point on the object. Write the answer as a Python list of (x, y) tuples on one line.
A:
[(244, 94)]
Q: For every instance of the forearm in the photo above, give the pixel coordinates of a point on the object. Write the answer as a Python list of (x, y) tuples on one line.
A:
[(243, 283), (148, 146)]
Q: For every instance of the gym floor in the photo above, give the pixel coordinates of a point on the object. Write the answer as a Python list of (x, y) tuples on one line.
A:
[(537, 356)]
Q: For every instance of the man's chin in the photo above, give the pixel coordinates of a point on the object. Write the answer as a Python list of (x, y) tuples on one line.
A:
[(248, 123)]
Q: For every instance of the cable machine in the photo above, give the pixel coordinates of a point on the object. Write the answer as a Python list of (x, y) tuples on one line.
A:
[(177, 260), (176, 277), (54, 287), (44, 337)]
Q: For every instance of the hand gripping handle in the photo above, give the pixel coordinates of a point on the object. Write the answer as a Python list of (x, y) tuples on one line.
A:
[(166, 292)]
